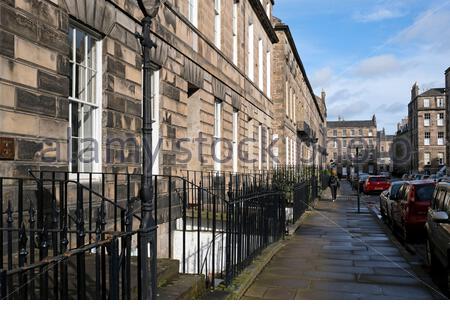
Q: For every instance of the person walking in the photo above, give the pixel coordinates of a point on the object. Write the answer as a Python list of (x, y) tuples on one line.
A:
[(333, 183)]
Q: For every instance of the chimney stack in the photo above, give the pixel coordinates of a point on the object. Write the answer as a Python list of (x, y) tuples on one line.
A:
[(414, 91), (324, 96)]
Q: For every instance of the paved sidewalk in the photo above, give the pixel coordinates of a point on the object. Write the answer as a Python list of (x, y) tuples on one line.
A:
[(338, 255)]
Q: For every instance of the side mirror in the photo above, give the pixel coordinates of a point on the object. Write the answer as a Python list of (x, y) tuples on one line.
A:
[(440, 217)]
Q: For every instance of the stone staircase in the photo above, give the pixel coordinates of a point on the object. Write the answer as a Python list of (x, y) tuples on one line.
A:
[(171, 284), (175, 286)]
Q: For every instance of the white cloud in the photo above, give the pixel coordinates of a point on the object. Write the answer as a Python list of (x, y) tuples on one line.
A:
[(429, 31), (381, 84), (322, 77), (379, 66), (379, 14)]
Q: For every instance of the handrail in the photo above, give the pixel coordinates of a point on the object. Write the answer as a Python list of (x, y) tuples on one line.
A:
[(77, 183)]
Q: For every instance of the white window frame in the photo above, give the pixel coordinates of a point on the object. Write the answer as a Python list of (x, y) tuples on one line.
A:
[(260, 147), (287, 98), (291, 95), (294, 104), (427, 119), (440, 103), (427, 141), (269, 73), (97, 113), (441, 119), (287, 151), (427, 158), (426, 103), (235, 139), (251, 52), (235, 32), (276, 151), (217, 135), (155, 98), (193, 12), (217, 23), (260, 65), (441, 141), (441, 159)]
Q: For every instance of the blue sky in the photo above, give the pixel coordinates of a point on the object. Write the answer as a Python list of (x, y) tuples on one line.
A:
[(367, 54)]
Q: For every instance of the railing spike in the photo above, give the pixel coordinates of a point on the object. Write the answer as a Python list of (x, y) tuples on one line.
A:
[(23, 239), (31, 213), (9, 212), (43, 235), (55, 212)]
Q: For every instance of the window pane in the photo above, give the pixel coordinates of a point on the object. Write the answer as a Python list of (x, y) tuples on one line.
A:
[(92, 63), (91, 86), (80, 50), (71, 42), (80, 85), (424, 193)]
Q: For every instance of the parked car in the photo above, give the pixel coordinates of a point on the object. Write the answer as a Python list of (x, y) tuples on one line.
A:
[(376, 184), (362, 179), (385, 174), (438, 231), (405, 177), (414, 200), (388, 199)]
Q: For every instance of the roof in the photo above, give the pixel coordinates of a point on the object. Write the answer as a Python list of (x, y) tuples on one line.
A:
[(433, 92), (349, 124), (447, 71)]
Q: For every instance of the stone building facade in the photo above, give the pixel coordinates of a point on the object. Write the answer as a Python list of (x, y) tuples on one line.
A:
[(401, 149), (343, 138), (300, 116), (70, 85), (427, 128), (385, 152)]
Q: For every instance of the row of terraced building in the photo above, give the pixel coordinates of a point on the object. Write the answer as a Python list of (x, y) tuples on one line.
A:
[(230, 90)]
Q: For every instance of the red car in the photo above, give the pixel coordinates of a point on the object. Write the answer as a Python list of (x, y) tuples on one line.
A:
[(414, 201), (376, 184)]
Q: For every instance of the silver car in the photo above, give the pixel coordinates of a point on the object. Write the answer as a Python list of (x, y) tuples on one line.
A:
[(388, 199)]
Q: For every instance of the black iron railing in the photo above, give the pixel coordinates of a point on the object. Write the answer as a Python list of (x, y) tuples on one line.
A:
[(75, 236), (61, 248)]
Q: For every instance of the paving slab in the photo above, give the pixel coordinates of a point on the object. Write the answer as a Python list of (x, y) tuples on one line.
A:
[(337, 255)]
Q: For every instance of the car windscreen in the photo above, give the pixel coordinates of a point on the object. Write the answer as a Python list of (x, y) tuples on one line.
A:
[(378, 179), (425, 192)]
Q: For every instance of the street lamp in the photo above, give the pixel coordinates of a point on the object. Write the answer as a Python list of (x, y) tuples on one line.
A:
[(147, 235)]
